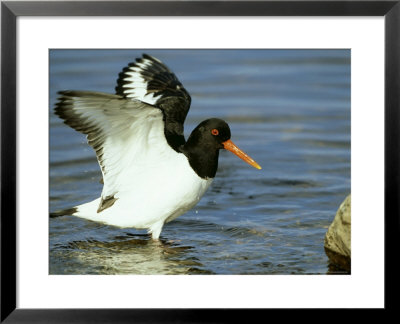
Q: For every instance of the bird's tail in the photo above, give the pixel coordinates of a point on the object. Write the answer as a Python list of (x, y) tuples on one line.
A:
[(64, 212)]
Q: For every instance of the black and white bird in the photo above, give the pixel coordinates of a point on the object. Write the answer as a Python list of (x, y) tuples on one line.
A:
[(151, 174)]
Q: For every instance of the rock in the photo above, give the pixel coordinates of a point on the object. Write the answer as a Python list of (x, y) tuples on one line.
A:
[(338, 237)]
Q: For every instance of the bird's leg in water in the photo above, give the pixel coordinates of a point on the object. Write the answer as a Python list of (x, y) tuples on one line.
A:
[(155, 230)]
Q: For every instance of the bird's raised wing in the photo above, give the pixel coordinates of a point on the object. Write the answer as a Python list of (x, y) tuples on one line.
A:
[(127, 135), (149, 80)]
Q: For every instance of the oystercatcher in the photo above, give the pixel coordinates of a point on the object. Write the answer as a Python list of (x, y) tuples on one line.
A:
[(151, 174)]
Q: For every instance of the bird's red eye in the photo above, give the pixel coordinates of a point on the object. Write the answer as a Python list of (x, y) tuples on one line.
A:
[(215, 131)]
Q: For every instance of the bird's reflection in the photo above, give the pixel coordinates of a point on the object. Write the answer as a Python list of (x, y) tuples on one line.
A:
[(133, 254)]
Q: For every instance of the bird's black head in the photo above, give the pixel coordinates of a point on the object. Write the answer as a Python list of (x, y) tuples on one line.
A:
[(203, 145), (210, 133)]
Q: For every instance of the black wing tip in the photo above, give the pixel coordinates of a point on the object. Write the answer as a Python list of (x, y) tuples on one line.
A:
[(151, 58), (87, 94), (69, 93), (64, 212), (147, 56), (141, 59), (64, 92), (63, 104)]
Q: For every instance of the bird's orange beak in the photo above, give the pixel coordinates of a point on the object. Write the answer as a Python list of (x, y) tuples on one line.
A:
[(230, 146)]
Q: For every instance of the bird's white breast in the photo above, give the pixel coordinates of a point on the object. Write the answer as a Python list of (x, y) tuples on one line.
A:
[(159, 194)]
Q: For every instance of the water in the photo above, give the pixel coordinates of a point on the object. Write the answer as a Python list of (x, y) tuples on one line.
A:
[(288, 109)]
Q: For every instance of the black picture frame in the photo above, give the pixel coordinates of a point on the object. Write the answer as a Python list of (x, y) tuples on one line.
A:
[(11, 10)]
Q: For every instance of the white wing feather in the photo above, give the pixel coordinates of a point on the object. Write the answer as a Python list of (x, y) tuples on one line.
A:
[(127, 135)]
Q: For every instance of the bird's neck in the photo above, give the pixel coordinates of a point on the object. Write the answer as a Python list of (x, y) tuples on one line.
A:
[(202, 158)]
